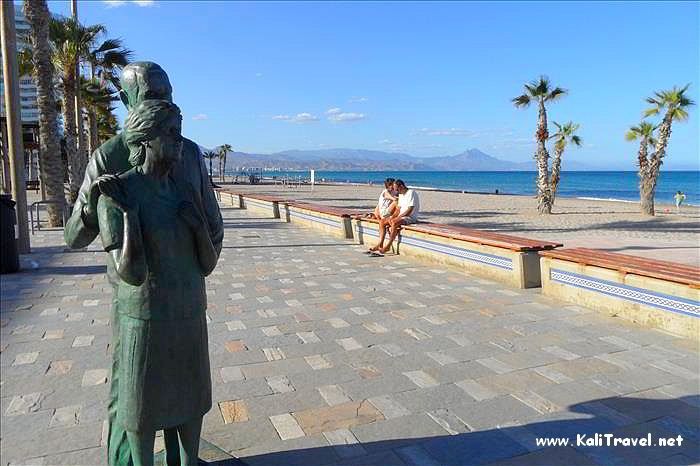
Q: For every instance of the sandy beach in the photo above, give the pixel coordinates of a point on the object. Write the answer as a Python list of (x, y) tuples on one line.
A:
[(608, 225)]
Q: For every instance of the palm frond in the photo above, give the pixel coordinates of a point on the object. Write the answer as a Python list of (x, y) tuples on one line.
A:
[(557, 93), (522, 100), (651, 112)]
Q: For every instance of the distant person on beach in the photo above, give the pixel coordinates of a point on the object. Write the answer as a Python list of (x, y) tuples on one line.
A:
[(679, 197), (406, 213), (386, 205)]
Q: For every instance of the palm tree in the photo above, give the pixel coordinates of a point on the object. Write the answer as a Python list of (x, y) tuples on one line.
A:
[(105, 62), (97, 98), (541, 91), (50, 161), (565, 134), (210, 154), (223, 151), (675, 104), (644, 132), (71, 41)]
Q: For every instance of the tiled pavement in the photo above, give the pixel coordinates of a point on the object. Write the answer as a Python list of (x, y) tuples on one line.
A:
[(321, 355)]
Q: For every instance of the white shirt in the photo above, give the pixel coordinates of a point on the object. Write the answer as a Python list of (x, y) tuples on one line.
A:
[(407, 200), (384, 203)]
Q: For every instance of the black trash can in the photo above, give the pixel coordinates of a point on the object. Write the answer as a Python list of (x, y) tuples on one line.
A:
[(9, 257)]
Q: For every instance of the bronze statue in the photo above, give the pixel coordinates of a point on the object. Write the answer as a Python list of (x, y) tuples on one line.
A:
[(152, 224), (139, 81)]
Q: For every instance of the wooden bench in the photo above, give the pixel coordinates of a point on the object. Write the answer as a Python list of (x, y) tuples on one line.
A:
[(651, 292), (508, 259), (332, 220)]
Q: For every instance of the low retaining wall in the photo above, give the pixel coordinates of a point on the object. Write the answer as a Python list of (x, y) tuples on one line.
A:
[(229, 197), (515, 266), (329, 220), (266, 205), (648, 301)]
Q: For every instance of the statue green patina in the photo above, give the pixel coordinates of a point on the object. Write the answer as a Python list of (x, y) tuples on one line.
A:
[(139, 81), (152, 224)]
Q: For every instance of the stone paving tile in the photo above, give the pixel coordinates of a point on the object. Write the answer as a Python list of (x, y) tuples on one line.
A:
[(307, 331)]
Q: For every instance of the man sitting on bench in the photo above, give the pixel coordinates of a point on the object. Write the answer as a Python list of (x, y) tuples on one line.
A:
[(407, 213)]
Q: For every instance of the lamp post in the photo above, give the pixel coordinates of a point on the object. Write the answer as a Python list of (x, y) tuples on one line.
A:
[(15, 148)]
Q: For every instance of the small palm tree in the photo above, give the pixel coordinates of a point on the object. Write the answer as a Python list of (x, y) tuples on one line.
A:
[(106, 60), (211, 155), (644, 132), (223, 152), (565, 134), (70, 41), (97, 99), (40, 65), (674, 105), (541, 91)]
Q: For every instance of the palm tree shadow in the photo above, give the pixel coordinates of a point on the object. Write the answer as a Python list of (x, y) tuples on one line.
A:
[(624, 417)]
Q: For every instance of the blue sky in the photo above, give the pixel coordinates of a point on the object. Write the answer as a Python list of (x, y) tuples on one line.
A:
[(422, 78)]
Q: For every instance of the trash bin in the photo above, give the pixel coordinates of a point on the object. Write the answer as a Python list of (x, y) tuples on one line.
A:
[(9, 257)]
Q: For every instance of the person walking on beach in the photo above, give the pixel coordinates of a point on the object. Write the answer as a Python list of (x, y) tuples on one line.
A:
[(679, 198), (387, 201), (406, 213)]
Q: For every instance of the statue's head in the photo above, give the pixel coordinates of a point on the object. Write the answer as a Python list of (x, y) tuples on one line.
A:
[(153, 131), (143, 80)]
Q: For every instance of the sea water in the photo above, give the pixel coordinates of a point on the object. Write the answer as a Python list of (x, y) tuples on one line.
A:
[(605, 185)]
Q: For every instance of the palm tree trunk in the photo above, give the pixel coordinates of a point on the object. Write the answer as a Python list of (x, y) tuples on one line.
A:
[(556, 173), (93, 142), (223, 173), (544, 203), (74, 163), (50, 161), (651, 175), (646, 202)]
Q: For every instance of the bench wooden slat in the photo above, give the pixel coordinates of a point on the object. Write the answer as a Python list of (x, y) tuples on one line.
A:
[(324, 209), (663, 270), (486, 238), (265, 197)]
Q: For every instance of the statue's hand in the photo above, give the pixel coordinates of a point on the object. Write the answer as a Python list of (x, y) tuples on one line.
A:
[(92, 197), (189, 213), (111, 186)]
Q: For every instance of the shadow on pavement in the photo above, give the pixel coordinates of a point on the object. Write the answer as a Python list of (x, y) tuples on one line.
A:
[(624, 417)]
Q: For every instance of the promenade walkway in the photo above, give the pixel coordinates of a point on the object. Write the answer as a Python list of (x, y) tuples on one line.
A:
[(322, 356)]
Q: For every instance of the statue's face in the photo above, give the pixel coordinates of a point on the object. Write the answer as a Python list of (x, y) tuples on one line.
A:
[(166, 149)]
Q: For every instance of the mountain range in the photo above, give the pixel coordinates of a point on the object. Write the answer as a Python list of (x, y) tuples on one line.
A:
[(374, 160)]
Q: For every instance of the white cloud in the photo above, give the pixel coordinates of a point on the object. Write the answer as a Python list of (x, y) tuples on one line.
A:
[(258, 75), (118, 3), (303, 117), (355, 100), (336, 115), (200, 116)]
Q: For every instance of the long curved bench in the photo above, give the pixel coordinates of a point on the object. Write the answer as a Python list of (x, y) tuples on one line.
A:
[(509, 259), (651, 292)]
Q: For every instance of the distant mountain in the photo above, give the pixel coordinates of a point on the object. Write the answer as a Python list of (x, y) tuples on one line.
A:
[(374, 160)]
